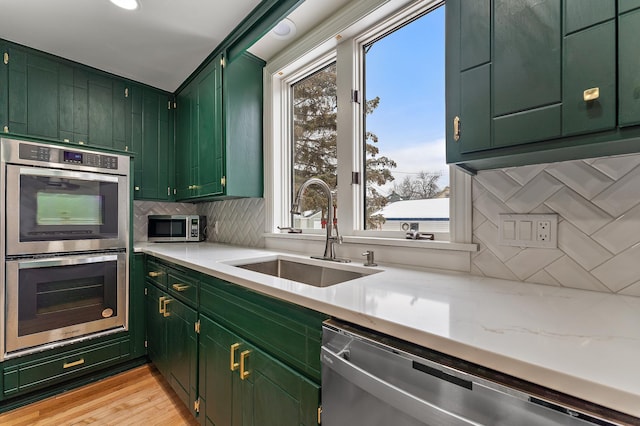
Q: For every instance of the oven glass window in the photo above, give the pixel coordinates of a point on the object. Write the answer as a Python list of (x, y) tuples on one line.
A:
[(54, 297), (68, 209), (53, 208)]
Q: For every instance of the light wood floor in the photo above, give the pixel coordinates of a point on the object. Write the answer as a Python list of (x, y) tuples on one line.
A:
[(136, 397)]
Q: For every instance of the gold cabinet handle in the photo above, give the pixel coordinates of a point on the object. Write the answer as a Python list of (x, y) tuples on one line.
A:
[(161, 306), (180, 287), (456, 128), (165, 312), (233, 365), (154, 274), (243, 359), (591, 94), (73, 364)]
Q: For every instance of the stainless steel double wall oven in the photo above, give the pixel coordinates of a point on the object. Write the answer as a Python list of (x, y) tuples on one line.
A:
[(64, 252)]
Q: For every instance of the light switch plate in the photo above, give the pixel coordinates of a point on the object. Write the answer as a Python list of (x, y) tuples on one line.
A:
[(528, 230)]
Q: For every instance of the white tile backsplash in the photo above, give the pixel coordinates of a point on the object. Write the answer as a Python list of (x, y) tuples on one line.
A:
[(598, 203)]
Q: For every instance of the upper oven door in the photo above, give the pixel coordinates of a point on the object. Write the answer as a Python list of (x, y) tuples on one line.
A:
[(53, 210)]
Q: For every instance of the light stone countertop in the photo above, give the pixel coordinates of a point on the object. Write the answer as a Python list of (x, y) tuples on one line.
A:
[(582, 343)]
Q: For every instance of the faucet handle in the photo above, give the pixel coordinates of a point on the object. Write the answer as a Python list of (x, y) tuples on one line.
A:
[(370, 258), (290, 229)]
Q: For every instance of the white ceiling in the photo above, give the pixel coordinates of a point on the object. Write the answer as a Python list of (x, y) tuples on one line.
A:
[(159, 44)]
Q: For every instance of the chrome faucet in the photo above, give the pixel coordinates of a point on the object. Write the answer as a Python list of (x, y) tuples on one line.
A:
[(329, 249)]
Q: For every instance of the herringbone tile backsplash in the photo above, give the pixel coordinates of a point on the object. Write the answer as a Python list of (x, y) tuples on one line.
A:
[(598, 207), (239, 222)]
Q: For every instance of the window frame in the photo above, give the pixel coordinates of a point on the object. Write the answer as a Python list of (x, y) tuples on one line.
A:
[(367, 20)]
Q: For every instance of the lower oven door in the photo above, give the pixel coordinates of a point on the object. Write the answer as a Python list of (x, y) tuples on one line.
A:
[(52, 300)]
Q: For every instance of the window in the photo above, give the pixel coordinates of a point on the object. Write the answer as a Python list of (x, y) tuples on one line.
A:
[(366, 114), (405, 172), (314, 108)]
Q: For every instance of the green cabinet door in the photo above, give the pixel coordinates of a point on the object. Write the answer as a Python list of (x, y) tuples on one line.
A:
[(241, 385), (209, 170), (154, 183), (527, 65), (243, 92), (33, 98), (185, 140), (182, 347), (628, 69), (156, 329), (589, 80), (215, 373)]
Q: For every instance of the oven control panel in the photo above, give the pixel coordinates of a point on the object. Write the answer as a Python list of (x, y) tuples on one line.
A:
[(59, 155)]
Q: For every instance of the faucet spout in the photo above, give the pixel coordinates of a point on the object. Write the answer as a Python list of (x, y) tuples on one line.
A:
[(329, 249)]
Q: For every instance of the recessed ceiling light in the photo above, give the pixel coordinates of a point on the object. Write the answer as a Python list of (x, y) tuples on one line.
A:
[(126, 4), (284, 30)]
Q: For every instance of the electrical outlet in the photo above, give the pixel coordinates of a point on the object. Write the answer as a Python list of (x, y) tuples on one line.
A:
[(544, 230), (528, 230)]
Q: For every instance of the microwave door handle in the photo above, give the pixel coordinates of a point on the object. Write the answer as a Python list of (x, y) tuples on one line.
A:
[(87, 176), (393, 395)]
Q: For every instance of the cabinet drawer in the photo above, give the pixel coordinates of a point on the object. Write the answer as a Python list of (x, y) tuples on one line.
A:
[(183, 287), (36, 374), (156, 273)]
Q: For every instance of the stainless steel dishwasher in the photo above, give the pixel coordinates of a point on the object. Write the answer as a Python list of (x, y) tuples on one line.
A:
[(369, 379)]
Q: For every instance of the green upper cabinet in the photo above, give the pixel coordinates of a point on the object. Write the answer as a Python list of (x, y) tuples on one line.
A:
[(152, 142), (199, 135), (219, 131), (48, 97), (537, 83)]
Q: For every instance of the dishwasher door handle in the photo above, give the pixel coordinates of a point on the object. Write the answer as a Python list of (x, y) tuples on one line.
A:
[(398, 398)]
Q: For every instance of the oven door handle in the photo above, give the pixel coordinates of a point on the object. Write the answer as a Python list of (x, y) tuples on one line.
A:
[(88, 176), (392, 395)]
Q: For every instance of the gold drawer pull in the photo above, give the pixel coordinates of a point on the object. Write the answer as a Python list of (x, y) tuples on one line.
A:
[(591, 94), (73, 364), (165, 312), (180, 287), (233, 364), (154, 274), (243, 357), (161, 306)]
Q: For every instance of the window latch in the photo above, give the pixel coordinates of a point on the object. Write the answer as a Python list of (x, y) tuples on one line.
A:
[(355, 96)]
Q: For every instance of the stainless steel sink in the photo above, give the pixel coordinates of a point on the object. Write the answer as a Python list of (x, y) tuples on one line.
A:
[(311, 274)]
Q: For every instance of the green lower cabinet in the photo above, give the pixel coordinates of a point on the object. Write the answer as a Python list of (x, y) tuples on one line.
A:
[(241, 385), (172, 342)]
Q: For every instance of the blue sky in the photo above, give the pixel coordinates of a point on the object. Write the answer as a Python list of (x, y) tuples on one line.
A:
[(406, 70)]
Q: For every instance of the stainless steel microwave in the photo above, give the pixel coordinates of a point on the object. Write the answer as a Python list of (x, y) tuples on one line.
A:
[(176, 228)]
